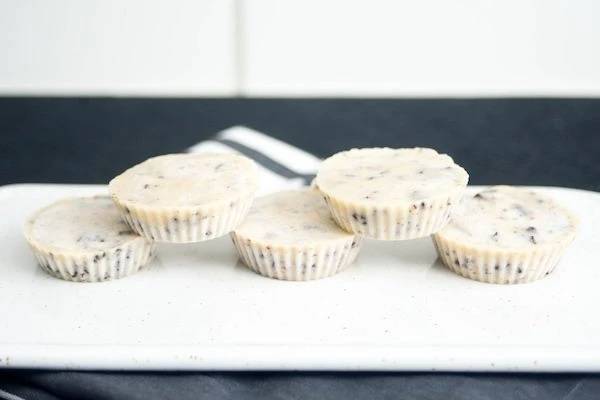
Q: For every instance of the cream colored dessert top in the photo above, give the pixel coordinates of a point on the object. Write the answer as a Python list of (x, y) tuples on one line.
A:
[(186, 180), (293, 217), (383, 175), (509, 218), (79, 224)]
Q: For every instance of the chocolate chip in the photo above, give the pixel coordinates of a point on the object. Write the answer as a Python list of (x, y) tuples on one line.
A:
[(360, 218), (146, 186), (532, 239), (495, 237)]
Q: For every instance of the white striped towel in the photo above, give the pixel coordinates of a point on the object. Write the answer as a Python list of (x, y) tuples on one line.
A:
[(281, 165)]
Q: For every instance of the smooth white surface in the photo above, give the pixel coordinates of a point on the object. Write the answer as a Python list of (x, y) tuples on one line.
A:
[(112, 47), (421, 48), (300, 47), (397, 308)]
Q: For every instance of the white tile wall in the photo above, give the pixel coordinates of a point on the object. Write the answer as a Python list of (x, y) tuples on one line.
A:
[(300, 47), (425, 47), (127, 47)]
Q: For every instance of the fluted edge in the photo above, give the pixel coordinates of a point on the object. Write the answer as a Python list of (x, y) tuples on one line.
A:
[(297, 263), (95, 266), (499, 266), (397, 222), (185, 225)]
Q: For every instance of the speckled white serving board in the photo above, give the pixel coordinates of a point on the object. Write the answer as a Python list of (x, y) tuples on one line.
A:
[(197, 307)]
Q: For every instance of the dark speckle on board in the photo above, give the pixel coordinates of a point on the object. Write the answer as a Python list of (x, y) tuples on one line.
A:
[(519, 208)]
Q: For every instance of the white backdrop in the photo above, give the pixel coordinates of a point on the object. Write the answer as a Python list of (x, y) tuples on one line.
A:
[(300, 47)]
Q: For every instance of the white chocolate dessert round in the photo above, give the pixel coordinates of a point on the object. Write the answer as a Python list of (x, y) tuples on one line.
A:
[(85, 240), (391, 194), (291, 235), (185, 198), (506, 235)]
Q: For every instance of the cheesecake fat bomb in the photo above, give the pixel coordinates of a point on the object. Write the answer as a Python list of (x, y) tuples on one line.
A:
[(85, 240), (506, 235), (391, 194), (182, 198), (291, 235)]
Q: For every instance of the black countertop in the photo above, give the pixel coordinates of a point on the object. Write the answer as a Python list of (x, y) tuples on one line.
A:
[(513, 141), (535, 142)]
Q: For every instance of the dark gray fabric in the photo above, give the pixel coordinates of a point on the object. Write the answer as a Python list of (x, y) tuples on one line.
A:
[(514, 141), (259, 386)]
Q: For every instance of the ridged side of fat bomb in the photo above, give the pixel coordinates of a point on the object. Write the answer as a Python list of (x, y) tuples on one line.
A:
[(382, 222), (297, 263), (502, 266), (95, 266), (185, 225)]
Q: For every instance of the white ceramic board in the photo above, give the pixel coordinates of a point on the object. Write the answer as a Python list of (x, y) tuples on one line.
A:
[(197, 307)]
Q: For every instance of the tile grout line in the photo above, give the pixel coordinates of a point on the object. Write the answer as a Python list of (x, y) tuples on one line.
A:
[(239, 53)]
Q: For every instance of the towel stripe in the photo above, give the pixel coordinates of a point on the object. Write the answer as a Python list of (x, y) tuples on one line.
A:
[(266, 161)]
